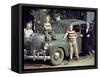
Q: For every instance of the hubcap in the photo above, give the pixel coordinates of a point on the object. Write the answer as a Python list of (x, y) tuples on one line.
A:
[(56, 55)]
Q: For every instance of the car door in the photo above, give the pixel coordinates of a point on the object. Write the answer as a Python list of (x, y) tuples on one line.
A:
[(83, 29), (79, 39)]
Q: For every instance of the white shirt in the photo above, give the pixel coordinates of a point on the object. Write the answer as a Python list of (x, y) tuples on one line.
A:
[(28, 33)]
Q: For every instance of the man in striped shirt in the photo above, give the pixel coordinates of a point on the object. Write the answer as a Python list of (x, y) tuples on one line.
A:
[(71, 35)]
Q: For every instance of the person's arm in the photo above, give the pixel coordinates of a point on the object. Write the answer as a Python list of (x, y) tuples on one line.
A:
[(88, 33), (65, 35), (24, 31), (75, 34), (31, 32)]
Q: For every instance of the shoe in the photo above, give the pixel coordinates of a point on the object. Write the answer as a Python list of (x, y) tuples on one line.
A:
[(47, 39), (76, 59), (54, 38), (70, 60)]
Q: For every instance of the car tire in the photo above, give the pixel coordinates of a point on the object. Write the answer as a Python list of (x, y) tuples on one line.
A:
[(57, 56)]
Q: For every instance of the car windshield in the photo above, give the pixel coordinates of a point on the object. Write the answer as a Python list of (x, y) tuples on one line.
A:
[(56, 27), (59, 27), (62, 26)]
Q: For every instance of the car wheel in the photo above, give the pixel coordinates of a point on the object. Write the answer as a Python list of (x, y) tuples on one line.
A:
[(57, 56)]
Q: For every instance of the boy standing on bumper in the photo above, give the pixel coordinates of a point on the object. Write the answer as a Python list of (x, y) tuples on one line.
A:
[(71, 35)]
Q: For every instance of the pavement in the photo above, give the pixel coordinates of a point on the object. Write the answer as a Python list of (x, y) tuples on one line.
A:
[(83, 61)]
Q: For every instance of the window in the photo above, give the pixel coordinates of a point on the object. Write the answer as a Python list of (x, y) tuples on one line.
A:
[(83, 27), (76, 28), (59, 28)]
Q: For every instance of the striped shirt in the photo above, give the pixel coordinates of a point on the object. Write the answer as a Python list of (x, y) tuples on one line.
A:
[(48, 27), (71, 34)]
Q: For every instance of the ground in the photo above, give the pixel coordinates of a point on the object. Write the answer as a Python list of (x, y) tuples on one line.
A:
[(83, 61)]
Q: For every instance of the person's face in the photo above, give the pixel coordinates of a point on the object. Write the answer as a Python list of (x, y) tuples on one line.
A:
[(29, 25), (70, 27)]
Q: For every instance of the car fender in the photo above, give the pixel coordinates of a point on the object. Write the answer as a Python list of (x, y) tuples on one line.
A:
[(63, 44)]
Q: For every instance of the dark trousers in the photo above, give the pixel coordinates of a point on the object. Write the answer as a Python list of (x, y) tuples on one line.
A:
[(88, 46), (28, 44)]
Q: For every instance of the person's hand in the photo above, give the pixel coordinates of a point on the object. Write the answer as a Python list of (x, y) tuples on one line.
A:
[(88, 35), (81, 35)]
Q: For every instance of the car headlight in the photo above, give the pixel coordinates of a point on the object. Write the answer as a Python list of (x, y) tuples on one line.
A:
[(46, 46)]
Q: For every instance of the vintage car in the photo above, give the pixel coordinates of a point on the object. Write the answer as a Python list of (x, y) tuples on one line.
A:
[(54, 50)]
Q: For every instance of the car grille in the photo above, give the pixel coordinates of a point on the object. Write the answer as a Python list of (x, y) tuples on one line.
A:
[(37, 43)]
